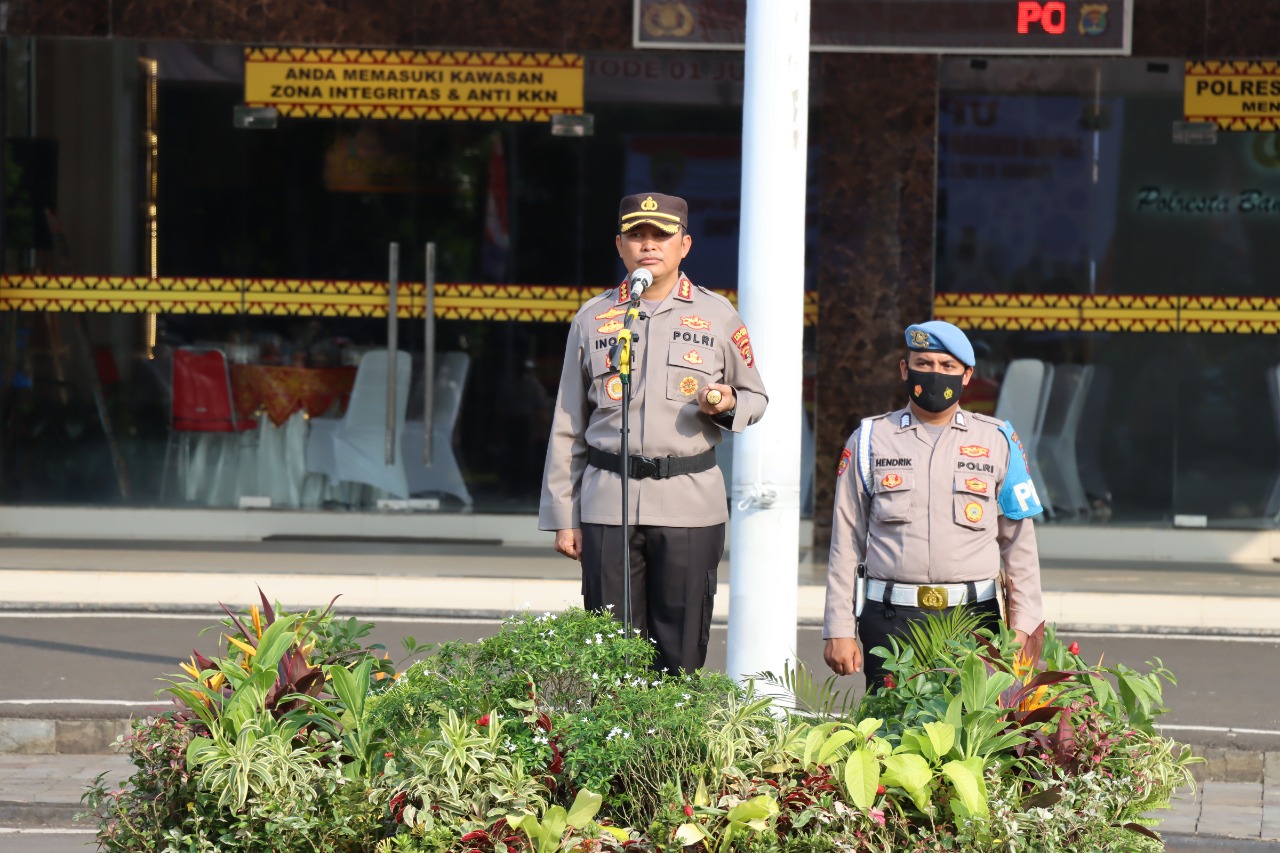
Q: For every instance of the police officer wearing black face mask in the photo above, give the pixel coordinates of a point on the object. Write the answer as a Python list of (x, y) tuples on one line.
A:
[(932, 503)]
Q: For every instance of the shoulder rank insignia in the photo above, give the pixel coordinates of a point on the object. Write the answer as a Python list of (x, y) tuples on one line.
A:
[(684, 290), (624, 294)]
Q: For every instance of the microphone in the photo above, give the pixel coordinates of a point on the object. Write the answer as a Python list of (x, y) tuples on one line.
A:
[(640, 279)]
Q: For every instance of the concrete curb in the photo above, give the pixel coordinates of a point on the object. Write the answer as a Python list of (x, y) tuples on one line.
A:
[(44, 816), (457, 596)]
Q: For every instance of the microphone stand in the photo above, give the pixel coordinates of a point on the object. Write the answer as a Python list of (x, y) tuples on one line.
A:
[(621, 354)]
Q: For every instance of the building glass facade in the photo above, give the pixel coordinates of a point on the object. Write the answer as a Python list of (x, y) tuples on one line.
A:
[(1114, 260)]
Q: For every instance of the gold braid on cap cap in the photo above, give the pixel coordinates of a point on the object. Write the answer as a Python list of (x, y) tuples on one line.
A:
[(643, 215)]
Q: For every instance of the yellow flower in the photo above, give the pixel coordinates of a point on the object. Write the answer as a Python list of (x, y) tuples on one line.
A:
[(189, 667), (257, 619), (243, 646)]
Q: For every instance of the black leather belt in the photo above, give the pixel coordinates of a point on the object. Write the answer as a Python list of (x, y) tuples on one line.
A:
[(650, 467)]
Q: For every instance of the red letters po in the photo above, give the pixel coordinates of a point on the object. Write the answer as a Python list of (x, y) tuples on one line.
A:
[(1052, 16)]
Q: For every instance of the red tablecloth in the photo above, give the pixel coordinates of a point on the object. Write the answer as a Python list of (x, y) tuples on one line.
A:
[(282, 391)]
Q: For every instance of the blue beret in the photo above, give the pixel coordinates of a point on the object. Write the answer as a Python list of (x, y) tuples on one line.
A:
[(937, 336)]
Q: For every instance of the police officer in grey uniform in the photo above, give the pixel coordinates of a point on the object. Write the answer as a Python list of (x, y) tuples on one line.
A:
[(930, 501), (693, 377)]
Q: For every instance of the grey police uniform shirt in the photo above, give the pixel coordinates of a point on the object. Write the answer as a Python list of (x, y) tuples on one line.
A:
[(693, 338), (933, 515)]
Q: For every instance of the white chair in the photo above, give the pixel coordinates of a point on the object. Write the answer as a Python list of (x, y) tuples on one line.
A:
[(442, 476), (352, 448), (1273, 386), (1023, 400), (1057, 446), (1089, 440)]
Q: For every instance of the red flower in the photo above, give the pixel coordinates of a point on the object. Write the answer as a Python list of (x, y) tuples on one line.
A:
[(388, 755), (1074, 648), (688, 811), (478, 835), (889, 682), (483, 721), (880, 789)]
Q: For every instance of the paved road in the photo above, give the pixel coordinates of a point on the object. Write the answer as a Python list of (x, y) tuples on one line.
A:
[(63, 657)]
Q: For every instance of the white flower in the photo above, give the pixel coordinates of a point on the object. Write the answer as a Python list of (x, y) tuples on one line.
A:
[(599, 639), (608, 607), (626, 735), (590, 641), (652, 732), (679, 704)]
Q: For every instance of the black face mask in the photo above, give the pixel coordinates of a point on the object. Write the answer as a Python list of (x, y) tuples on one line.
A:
[(934, 392)]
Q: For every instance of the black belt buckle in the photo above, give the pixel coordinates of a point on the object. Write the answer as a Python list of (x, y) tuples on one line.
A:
[(643, 467)]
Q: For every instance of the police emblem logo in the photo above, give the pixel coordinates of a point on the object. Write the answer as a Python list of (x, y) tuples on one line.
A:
[(668, 20), (917, 391), (693, 358), (614, 388), (688, 386), (1093, 19), (973, 512), (615, 311), (919, 338), (695, 322), (610, 327), (649, 205), (891, 481), (973, 451), (845, 456), (976, 485), (948, 394), (931, 598)]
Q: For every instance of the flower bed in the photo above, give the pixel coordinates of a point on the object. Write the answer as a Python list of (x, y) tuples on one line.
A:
[(555, 735)]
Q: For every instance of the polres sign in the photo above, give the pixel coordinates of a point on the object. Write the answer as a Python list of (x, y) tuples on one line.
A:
[(904, 26)]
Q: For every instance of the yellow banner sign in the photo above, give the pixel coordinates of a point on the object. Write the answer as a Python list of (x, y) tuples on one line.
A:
[(1233, 95), (413, 84)]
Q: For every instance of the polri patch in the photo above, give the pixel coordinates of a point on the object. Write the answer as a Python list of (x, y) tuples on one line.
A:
[(695, 322), (613, 387), (891, 481), (973, 451), (742, 340), (845, 456), (973, 512)]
